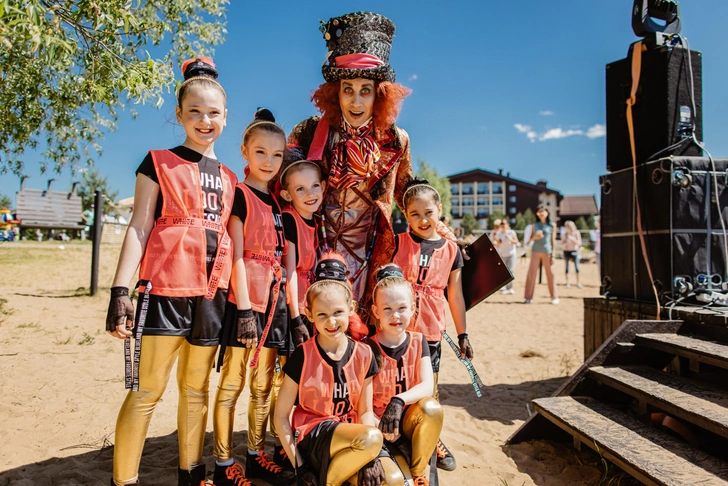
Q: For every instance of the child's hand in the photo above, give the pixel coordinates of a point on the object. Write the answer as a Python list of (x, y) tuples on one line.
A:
[(372, 474), (120, 316), (299, 331), (466, 351), (392, 416), (247, 328)]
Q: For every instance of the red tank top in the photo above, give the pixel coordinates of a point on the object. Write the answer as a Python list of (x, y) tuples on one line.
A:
[(385, 382), (315, 388), (430, 294), (175, 258)]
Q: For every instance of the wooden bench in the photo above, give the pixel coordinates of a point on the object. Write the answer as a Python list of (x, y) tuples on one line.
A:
[(36, 208)]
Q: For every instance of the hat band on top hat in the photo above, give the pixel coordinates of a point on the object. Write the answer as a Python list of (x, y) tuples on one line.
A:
[(357, 61)]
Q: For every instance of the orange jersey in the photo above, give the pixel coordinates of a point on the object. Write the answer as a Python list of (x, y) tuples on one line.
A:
[(306, 254), (385, 382)]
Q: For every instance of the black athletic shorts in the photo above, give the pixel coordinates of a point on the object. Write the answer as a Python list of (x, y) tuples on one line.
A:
[(279, 335), (435, 352), (315, 448), (197, 318)]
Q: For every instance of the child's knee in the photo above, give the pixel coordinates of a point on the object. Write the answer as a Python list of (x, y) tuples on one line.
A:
[(369, 438), (431, 408)]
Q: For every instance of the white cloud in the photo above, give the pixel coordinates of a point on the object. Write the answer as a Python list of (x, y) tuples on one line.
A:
[(546, 113), (558, 133), (413, 77), (596, 131)]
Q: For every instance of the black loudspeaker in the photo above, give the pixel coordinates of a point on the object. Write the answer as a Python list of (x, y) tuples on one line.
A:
[(662, 114), (684, 239)]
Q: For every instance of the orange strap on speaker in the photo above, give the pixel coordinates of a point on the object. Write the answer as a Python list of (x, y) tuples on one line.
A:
[(637, 49)]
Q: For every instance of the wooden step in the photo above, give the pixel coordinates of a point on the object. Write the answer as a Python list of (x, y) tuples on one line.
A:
[(702, 405), (649, 455), (695, 349)]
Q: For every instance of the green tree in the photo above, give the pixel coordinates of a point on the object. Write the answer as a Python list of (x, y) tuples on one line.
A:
[(468, 224), (592, 222), (521, 223), (5, 201), (581, 224), (91, 180), (529, 217), (496, 215), (441, 183), (68, 67)]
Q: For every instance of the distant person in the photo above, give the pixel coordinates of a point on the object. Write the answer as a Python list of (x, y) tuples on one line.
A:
[(181, 241), (88, 216), (496, 227), (458, 233), (39, 235), (446, 221), (507, 249), (542, 254), (596, 237), (571, 244)]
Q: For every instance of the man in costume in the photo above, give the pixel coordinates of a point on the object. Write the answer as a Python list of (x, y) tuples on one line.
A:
[(358, 146)]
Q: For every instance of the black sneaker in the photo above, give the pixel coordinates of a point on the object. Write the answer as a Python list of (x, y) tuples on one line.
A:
[(445, 459), (263, 467), (232, 475), (281, 459), (191, 478)]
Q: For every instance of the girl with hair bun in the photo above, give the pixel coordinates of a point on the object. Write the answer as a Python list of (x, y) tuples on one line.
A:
[(178, 233), (256, 327), (332, 437)]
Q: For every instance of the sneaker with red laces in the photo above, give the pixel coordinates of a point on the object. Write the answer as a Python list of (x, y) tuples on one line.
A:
[(281, 459), (420, 481), (262, 466), (232, 475), (445, 459)]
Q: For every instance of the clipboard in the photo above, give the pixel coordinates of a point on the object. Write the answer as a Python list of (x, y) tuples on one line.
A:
[(485, 273)]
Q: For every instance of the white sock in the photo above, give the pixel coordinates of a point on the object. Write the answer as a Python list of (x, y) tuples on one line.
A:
[(229, 462), (252, 453)]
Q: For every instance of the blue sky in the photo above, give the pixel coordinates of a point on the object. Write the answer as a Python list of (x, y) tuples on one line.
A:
[(483, 73)]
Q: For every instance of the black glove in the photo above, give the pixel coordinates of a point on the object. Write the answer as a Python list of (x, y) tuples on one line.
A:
[(121, 310), (372, 474), (465, 348), (299, 331), (247, 325), (305, 476), (389, 424)]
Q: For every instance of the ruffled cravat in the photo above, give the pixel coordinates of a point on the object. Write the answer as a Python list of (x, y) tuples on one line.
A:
[(354, 155)]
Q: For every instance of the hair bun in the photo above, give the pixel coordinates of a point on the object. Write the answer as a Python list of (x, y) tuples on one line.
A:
[(201, 66), (416, 181), (389, 270), (264, 114)]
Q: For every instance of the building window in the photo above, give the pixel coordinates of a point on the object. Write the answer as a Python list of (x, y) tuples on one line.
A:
[(468, 188), (513, 220), (467, 201), (468, 211), (455, 189), (512, 188), (483, 213), (456, 213), (483, 188), (512, 210), (512, 199), (497, 188), (455, 201), (497, 200), (483, 201)]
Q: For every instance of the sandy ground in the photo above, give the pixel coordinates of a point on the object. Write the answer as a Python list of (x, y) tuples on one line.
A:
[(62, 380)]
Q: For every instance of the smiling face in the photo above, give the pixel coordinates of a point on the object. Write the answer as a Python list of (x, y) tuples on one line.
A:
[(393, 307), (330, 312), (423, 214), (202, 115), (264, 153), (356, 99), (304, 190)]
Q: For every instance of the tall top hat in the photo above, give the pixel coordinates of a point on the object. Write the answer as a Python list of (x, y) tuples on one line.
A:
[(359, 45)]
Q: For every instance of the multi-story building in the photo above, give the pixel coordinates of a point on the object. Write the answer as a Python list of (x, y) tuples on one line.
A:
[(481, 193)]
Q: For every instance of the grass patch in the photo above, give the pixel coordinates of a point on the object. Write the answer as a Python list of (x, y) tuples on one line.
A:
[(86, 340), (62, 342), (29, 325), (5, 311)]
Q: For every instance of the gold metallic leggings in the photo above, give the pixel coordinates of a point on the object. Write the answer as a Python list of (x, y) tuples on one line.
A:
[(232, 382), (352, 447), (422, 425), (158, 356), (435, 391)]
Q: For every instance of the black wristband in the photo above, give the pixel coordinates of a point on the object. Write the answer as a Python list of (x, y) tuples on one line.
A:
[(397, 399), (119, 291), (245, 313), (463, 335)]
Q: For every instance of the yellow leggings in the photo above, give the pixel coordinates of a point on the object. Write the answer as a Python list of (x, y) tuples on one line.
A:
[(158, 356), (422, 425), (232, 382)]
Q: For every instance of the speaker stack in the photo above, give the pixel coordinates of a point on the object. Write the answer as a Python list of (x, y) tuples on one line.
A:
[(684, 237)]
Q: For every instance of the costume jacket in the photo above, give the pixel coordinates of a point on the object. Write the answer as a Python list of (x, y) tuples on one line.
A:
[(385, 382), (429, 288), (175, 257)]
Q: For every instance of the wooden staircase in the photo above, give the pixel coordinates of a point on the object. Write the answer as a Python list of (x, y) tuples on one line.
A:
[(652, 399)]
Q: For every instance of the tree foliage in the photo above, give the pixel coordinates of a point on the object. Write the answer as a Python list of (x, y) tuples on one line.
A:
[(496, 215), (581, 223), (529, 217), (6, 202), (468, 224), (91, 180), (68, 67), (521, 223)]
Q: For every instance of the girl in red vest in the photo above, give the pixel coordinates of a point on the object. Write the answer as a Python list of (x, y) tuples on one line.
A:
[(182, 202), (432, 263), (332, 436), (257, 329), (403, 399)]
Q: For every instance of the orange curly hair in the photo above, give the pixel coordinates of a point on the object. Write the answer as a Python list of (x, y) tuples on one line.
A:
[(387, 104)]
